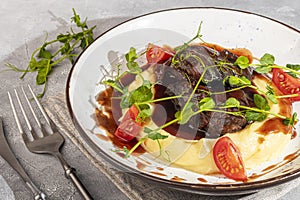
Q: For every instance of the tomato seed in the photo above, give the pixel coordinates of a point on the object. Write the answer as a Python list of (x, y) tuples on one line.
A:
[(293, 90), (281, 77)]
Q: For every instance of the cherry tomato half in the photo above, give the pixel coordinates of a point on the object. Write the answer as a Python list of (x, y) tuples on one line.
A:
[(128, 129), (286, 83), (228, 159), (157, 54), (134, 112)]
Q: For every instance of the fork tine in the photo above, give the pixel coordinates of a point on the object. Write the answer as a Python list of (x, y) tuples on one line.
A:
[(25, 138), (31, 109), (23, 111), (15, 114), (40, 106), (44, 131)]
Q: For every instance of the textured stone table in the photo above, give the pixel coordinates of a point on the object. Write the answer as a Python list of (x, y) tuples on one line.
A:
[(24, 25)]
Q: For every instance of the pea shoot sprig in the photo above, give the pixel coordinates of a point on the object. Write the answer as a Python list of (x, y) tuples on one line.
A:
[(44, 58), (266, 64)]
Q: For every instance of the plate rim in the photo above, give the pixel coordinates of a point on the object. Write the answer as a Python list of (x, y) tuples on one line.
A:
[(215, 189)]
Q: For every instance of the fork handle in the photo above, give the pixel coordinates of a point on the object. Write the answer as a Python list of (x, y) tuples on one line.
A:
[(71, 174)]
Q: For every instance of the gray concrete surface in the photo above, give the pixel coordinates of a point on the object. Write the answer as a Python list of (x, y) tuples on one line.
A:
[(23, 25)]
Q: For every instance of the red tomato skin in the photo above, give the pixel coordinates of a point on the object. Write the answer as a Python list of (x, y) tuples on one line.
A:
[(128, 129), (134, 112), (157, 54), (228, 159), (286, 83)]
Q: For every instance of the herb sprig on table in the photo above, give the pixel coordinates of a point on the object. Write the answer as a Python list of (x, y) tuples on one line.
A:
[(45, 57)]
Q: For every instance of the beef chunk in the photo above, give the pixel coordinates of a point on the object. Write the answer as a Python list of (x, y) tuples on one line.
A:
[(181, 76)]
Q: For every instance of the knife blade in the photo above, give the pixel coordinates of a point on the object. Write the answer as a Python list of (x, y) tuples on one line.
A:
[(7, 154)]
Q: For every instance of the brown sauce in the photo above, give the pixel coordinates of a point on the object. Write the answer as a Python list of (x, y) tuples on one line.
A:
[(287, 159), (160, 168), (103, 137), (140, 165), (269, 168), (260, 140), (292, 156), (294, 134), (202, 180), (178, 179), (274, 125), (158, 173)]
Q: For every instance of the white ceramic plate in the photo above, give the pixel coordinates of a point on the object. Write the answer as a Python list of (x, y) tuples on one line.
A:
[(228, 28)]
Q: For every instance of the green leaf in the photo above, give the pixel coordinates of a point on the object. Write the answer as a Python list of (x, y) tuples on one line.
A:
[(144, 112), (242, 62), (141, 94), (235, 81), (263, 69), (295, 67), (65, 48), (207, 103), (147, 130), (76, 19), (232, 102), (125, 100), (44, 69), (131, 55), (43, 53), (290, 121), (156, 136), (255, 116), (271, 94), (126, 151), (261, 102), (185, 115), (32, 64), (115, 84), (133, 67), (63, 38), (267, 59)]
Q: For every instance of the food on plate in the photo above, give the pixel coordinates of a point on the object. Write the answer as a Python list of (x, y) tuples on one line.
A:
[(203, 107)]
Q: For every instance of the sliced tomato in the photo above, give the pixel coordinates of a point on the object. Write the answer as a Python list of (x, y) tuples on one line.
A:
[(286, 83), (129, 128), (228, 159), (134, 112), (157, 54)]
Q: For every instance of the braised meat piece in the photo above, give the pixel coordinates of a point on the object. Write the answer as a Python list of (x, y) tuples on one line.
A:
[(181, 76)]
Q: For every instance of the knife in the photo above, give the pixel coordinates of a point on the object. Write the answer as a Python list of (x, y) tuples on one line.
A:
[(7, 154)]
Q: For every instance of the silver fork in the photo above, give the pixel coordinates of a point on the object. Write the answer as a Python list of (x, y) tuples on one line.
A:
[(51, 140)]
